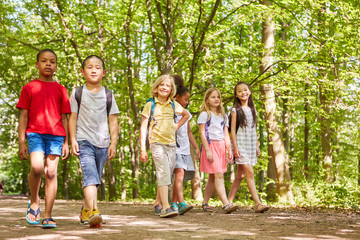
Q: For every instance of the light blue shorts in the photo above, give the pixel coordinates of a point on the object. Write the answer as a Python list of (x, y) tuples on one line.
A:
[(45, 143), (92, 160)]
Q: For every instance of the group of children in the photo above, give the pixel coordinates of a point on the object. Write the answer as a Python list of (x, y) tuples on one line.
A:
[(44, 105)]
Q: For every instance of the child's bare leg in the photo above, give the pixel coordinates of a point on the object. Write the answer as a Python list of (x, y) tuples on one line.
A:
[(220, 187), (158, 198), (249, 173), (51, 164), (34, 178), (178, 185), (236, 183), (164, 196), (209, 189), (90, 193)]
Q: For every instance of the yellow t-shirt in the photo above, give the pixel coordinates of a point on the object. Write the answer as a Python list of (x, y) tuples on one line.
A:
[(162, 130)]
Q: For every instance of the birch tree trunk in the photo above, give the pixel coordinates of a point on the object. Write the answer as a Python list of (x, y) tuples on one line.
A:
[(279, 158)]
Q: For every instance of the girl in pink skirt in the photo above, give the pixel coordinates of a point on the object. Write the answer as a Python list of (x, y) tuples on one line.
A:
[(213, 128)]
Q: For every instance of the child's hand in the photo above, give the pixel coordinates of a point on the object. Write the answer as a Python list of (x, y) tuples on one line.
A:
[(237, 153), (197, 153), (23, 151), (111, 151), (209, 156), (65, 151), (258, 151), (143, 156), (75, 148), (230, 155), (176, 126)]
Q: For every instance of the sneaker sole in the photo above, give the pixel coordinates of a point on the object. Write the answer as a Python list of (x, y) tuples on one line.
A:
[(186, 210), (95, 220), (173, 214)]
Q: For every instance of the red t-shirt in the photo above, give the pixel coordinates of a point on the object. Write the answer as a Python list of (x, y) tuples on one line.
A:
[(46, 101)]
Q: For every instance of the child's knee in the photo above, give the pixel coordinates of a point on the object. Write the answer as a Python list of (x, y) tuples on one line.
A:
[(37, 170), (50, 173)]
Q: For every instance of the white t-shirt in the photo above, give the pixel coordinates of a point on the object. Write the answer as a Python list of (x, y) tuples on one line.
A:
[(182, 136), (216, 128), (92, 122)]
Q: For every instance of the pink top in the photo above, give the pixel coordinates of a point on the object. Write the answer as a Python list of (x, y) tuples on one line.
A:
[(46, 101)]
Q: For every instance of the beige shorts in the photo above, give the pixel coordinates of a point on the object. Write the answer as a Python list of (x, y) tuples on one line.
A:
[(164, 158)]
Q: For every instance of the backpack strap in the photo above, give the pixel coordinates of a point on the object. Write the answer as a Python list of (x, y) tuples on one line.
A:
[(78, 95), (207, 124), (108, 94), (173, 106)]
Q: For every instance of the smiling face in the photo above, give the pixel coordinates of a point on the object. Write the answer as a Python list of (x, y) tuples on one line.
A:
[(184, 99), (47, 66), (214, 99), (243, 92), (93, 70), (164, 89)]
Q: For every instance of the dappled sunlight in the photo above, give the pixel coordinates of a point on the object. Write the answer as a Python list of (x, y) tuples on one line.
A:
[(312, 237)]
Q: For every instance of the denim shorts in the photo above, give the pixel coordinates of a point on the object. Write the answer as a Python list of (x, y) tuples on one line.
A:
[(45, 143), (92, 160)]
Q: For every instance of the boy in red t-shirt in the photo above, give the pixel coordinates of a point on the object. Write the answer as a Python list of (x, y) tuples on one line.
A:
[(44, 105)]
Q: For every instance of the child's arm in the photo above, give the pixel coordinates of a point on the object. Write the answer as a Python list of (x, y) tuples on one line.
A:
[(23, 122), (114, 129), (233, 135), (258, 153), (227, 144), (65, 148), (143, 127), (185, 116), (204, 142), (72, 131), (193, 142)]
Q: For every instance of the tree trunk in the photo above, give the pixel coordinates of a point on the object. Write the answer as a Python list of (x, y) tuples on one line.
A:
[(24, 184), (306, 132), (111, 180), (276, 145), (196, 181)]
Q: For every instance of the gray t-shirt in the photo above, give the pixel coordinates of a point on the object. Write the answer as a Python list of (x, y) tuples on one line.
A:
[(92, 122)]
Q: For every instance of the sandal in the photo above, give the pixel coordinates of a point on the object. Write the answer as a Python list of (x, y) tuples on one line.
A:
[(229, 208), (259, 208), (206, 208), (34, 213), (47, 225)]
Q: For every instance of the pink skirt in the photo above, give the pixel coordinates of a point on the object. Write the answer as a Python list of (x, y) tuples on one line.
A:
[(219, 164)]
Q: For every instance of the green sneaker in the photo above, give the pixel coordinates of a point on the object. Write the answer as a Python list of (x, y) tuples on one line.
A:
[(183, 208), (174, 206), (169, 212)]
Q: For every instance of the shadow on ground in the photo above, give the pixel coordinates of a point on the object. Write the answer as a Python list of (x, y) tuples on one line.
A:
[(137, 221)]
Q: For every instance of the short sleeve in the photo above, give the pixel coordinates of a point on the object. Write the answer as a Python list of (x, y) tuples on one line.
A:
[(65, 103), (73, 103), (178, 108), (146, 111), (233, 110), (203, 118), (226, 121), (24, 100), (114, 107)]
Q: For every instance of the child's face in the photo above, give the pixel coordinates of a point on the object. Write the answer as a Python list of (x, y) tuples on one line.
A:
[(164, 89), (93, 71), (183, 100), (46, 64), (242, 92), (214, 100)]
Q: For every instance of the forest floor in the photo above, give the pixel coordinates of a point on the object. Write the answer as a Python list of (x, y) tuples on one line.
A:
[(137, 221)]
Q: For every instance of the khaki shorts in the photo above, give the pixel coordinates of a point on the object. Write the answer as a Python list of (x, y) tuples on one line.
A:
[(164, 158)]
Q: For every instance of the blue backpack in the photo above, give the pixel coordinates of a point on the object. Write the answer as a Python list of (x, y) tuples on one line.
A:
[(151, 117)]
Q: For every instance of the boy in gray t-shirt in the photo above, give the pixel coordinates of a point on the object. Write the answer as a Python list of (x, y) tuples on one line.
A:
[(93, 112)]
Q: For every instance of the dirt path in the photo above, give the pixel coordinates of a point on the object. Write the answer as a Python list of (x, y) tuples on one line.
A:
[(137, 221)]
